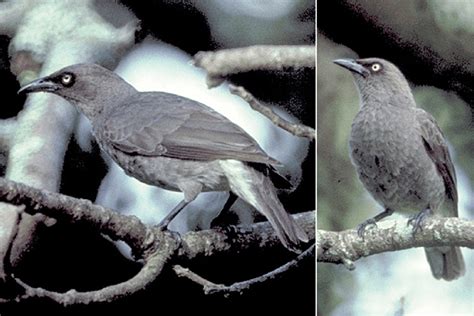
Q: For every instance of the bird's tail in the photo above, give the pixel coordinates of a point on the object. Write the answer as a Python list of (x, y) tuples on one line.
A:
[(446, 263), (256, 189)]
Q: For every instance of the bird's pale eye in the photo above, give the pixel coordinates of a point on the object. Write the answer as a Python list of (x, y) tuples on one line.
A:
[(376, 67), (67, 80)]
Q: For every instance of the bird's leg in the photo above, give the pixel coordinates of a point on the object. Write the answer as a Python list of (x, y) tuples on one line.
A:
[(220, 218), (171, 215), (230, 201), (417, 220), (372, 221)]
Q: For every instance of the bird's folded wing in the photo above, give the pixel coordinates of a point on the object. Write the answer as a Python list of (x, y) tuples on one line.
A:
[(437, 149), (162, 124)]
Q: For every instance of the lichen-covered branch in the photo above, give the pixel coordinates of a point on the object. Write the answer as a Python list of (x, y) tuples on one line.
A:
[(345, 247), (7, 129), (155, 247), (235, 239), (7, 244), (293, 128), (151, 244), (39, 47), (154, 263), (223, 63), (237, 287), (131, 230), (68, 209)]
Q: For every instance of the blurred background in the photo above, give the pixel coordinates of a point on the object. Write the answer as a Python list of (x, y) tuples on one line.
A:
[(432, 43), (170, 33)]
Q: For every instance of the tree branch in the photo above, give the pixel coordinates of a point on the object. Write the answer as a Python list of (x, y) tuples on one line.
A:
[(7, 129), (149, 272), (155, 247), (235, 239), (151, 244), (293, 128), (213, 288), (37, 149), (131, 230), (226, 62), (346, 247), (72, 210)]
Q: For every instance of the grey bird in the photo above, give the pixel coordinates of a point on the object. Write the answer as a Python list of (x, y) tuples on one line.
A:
[(401, 156), (173, 142)]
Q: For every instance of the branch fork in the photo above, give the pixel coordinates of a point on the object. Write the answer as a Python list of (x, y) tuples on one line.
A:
[(155, 247)]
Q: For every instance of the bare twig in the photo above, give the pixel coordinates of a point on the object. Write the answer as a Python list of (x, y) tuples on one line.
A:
[(153, 265), (154, 246), (293, 128), (345, 247), (225, 62), (238, 287)]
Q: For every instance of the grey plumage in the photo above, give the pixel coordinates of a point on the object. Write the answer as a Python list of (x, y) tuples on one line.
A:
[(173, 142), (401, 155)]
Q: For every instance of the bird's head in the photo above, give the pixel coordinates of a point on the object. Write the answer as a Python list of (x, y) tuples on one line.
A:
[(378, 79), (90, 87)]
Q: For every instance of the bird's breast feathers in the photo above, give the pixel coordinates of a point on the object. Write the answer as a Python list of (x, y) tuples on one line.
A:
[(382, 130)]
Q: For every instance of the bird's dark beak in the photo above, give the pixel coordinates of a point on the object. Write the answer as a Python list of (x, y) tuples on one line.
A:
[(41, 84), (353, 66)]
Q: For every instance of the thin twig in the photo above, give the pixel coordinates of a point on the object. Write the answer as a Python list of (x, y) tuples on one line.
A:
[(154, 246), (225, 62), (238, 287), (222, 63), (293, 128), (149, 272)]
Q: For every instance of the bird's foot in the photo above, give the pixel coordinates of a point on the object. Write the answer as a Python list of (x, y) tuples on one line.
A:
[(417, 220), (164, 229), (372, 221), (364, 225), (175, 235), (163, 225)]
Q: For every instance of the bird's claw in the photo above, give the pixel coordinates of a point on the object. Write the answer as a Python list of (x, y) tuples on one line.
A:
[(363, 226), (417, 220), (176, 235), (162, 226)]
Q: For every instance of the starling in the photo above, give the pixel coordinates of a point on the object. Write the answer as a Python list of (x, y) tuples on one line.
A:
[(172, 142), (401, 156)]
